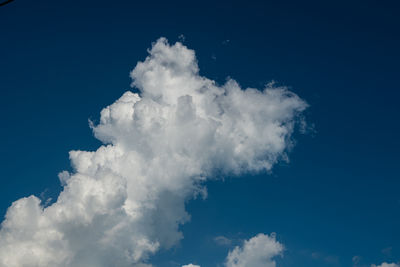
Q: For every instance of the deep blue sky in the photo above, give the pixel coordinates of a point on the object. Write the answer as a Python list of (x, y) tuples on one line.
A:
[(61, 62)]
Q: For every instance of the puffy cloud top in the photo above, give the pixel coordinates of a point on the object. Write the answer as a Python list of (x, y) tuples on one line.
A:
[(258, 251), (126, 200)]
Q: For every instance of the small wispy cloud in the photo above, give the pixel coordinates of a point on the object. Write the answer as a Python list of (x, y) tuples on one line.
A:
[(356, 260), (385, 264), (387, 251), (223, 241)]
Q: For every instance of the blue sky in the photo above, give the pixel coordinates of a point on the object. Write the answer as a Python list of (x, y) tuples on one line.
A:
[(62, 62)]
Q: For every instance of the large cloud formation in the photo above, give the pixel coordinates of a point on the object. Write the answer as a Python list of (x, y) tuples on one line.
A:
[(126, 200)]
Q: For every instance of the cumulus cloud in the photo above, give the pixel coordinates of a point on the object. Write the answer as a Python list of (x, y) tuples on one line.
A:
[(384, 264), (258, 251), (126, 200)]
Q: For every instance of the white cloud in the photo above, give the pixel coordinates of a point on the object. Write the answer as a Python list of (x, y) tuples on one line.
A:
[(258, 251), (384, 264), (126, 200), (191, 265)]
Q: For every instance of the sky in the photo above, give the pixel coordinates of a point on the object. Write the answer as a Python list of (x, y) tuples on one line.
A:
[(301, 171)]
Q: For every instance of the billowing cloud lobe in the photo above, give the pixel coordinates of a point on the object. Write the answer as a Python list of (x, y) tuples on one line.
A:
[(258, 251)]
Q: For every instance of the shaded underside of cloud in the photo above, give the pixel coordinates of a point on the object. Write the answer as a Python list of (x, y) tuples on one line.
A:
[(126, 200)]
